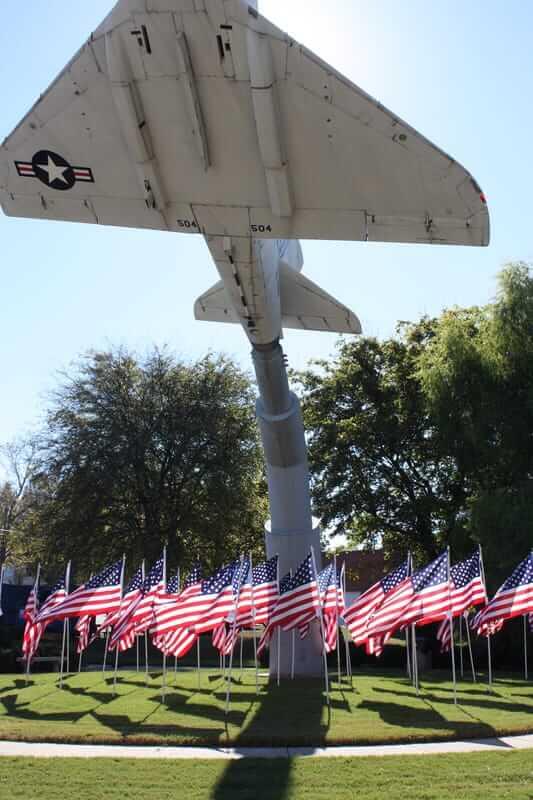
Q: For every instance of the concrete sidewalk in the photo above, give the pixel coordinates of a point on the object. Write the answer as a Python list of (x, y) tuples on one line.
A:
[(28, 749)]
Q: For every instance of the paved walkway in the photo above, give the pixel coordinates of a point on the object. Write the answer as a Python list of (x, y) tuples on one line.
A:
[(26, 749)]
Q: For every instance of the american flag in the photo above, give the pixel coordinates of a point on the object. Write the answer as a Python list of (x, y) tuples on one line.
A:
[(83, 631), (423, 596), (514, 598), (177, 612), (131, 593), (332, 602), (467, 589), (298, 601), (138, 616), (100, 595), (221, 593), (259, 597), (358, 614), (30, 611), (177, 641), (34, 632)]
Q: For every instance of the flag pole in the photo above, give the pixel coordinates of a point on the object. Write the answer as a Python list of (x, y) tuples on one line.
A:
[(415, 659), (36, 600), (137, 649), (489, 649), (321, 618), (526, 676), (175, 657), (293, 645), (198, 661), (146, 632), (407, 638), (452, 643), (461, 659), (67, 584), (164, 677), (122, 572), (116, 671), (279, 634), (337, 609), (234, 629), (106, 650), (346, 643), (68, 645), (240, 665), (467, 626), (256, 667)]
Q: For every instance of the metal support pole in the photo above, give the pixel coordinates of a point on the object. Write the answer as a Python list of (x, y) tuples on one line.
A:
[(467, 626), (452, 651), (526, 671), (291, 532), (461, 659), (489, 654), (116, 671)]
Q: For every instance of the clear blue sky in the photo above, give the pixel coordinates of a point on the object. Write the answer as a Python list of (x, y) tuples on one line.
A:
[(460, 72)]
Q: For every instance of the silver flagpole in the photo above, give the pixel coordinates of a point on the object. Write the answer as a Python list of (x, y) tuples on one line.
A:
[(116, 671), (279, 633), (452, 643), (489, 649), (164, 681), (36, 600), (68, 646), (467, 626), (164, 678), (198, 661), (321, 618), (338, 631), (175, 657), (415, 659), (122, 574), (234, 629), (240, 665), (461, 659), (137, 649), (279, 654), (408, 650), (293, 645), (253, 625), (67, 585), (526, 675), (346, 643), (145, 633), (106, 650), (407, 637)]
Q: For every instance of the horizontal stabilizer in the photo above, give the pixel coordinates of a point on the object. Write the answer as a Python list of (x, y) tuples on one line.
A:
[(304, 306)]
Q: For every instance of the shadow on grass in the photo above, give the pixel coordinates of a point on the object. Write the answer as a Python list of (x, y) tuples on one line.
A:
[(491, 702), (274, 724)]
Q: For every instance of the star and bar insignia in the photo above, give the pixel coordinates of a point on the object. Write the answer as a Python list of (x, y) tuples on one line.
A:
[(54, 171)]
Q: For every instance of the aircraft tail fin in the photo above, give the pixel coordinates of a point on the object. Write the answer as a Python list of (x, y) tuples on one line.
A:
[(304, 306)]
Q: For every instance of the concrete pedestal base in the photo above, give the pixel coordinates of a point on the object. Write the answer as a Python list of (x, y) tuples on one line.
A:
[(292, 548)]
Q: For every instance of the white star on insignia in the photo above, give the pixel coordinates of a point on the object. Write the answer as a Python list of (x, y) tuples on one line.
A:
[(55, 171)]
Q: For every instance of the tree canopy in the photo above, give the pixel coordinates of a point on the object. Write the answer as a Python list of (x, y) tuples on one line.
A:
[(426, 438), (138, 453)]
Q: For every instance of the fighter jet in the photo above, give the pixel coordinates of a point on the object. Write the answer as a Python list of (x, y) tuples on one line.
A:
[(201, 117)]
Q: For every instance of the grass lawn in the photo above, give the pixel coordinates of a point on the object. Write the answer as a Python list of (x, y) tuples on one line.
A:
[(477, 776), (379, 708)]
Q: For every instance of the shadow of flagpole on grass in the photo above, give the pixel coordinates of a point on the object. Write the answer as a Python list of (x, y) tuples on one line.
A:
[(294, 712)]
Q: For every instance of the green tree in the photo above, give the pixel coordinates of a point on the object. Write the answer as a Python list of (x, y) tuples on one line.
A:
[(378, 471), (477, 377), (141, 453)]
